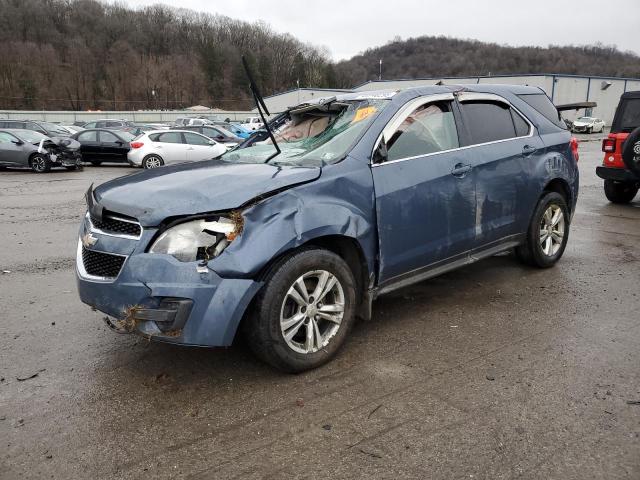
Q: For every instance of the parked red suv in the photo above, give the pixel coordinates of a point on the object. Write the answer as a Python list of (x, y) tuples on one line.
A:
[(621, 164)]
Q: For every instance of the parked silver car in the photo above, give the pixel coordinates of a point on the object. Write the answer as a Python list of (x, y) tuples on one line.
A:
[(26, 148)]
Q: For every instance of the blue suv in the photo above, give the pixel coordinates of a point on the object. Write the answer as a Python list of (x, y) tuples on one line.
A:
[(372, 191)]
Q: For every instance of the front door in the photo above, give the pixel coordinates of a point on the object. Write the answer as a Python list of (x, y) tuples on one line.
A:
[(113, 148), (198, 147), (425, 193), (10, 152)]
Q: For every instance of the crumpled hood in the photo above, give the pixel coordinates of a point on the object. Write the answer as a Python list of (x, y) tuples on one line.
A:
[(192, 188)]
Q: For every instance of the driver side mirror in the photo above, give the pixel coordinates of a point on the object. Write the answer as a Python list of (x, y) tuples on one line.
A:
[(381, 153), (220, 137), (212, 142), (17, 142)]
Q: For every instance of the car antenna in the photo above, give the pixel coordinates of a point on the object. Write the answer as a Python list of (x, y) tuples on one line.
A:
[(260, 103)]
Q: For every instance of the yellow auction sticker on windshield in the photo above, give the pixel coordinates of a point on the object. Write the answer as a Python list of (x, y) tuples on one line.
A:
[(363, 113)]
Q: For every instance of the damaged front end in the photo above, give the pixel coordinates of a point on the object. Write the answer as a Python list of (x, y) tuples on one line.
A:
[(62, 151)]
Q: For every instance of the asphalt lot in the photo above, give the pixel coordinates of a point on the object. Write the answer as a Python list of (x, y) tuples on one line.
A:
[(493, 371)]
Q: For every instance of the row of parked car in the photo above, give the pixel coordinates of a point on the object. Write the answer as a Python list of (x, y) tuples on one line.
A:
[(43, 145)]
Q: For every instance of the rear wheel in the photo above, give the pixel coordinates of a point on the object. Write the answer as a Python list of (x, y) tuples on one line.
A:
[(152, 161), (304, 311), (619, 192), (548, 232), (39, 163)]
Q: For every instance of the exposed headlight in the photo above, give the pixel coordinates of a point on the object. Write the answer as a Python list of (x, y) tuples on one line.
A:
[(198, 239)]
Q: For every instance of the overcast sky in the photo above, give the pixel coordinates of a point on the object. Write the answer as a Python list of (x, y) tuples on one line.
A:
[(349, 27)]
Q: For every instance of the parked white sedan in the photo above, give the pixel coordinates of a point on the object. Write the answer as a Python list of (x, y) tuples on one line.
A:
[(588, 125), (161, 147)]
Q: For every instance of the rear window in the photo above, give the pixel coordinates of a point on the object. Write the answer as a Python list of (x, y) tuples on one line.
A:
[(541, 103), (630, 115)]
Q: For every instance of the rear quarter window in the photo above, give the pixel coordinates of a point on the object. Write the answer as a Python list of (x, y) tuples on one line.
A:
[(541, 104)]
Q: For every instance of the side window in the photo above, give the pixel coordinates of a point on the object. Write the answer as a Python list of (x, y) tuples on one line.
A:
[(170, 137), (108, 137), (112, 124), (88, 136), (101, 124), (522, 127), (6, 137), (154, 137), (428, 129), (210, 132), (90, 125), (195, 139), (543, 105), (488, 121)]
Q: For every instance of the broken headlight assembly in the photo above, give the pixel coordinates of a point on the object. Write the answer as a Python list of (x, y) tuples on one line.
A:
[(198, 239)]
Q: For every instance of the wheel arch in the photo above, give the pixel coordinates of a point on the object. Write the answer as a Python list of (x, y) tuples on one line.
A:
[(561, 186)]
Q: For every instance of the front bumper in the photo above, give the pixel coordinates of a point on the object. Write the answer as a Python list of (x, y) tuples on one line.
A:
[(617, 174), (161, 298)]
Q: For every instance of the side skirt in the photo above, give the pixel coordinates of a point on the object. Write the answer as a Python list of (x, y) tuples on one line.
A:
[(443, 266)]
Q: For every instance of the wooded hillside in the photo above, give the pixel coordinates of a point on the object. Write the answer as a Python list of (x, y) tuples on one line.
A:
[(82, 54), (442, 56)]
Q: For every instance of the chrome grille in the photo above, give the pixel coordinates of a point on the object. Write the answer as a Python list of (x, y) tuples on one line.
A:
[(100, 264), (116, 226)]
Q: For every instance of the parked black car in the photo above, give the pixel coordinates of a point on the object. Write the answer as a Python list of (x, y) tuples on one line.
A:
[(102, 145), (216, 133), (45, 128)]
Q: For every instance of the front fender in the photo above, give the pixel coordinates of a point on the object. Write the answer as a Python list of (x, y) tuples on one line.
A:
[(339, 203)]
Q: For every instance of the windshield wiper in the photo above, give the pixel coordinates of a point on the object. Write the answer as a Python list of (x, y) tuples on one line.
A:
[(260, 103)]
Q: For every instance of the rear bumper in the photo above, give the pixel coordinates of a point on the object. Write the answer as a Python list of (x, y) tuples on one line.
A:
[(617, 174)]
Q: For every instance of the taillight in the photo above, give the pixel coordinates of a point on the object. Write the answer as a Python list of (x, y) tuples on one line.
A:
[(136, 144), (574, 148), (609, 145)]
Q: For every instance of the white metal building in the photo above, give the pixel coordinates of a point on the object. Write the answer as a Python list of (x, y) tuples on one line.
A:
[(605, 91)]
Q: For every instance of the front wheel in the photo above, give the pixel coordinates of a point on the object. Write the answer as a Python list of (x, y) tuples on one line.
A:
[(548, 232), (619, 192), (304, 311), (39, 163), (152, 161)]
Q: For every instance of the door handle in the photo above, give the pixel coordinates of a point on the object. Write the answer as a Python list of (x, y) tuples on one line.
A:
[(528, 150), (190, 148), (460, 170)]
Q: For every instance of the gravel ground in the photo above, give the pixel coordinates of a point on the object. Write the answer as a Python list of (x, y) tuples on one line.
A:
[(493, 371)]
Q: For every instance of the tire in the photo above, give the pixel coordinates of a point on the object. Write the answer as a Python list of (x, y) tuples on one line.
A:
[(152, 161), (631, 152), (96, 163), (274, 310), (39, 163), (589, 130), (544, 251), (619, 192)]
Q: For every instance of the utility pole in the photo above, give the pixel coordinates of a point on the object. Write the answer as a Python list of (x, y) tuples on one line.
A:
[(380, 71)]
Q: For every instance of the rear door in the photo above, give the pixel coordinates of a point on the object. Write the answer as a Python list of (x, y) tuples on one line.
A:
[(425, 194), (89, 146), (170, 146), (501, 143)]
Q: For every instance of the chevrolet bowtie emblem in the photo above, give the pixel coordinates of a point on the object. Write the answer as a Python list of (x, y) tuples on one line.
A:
[(88, 240)]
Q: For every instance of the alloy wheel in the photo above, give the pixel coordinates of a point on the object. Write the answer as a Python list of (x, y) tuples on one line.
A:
[(153, 162), (312, 311), (552, 228), (39, 164)]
